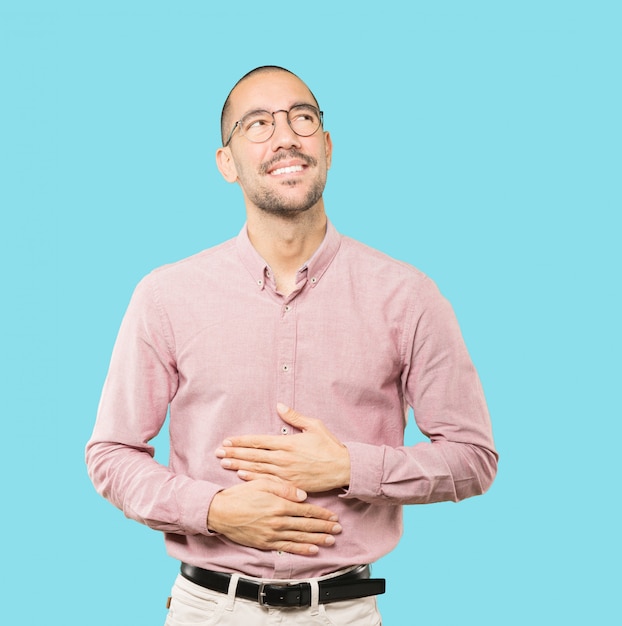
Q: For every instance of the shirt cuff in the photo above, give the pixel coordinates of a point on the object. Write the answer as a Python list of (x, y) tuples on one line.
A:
[(196, 499), (366, 465)]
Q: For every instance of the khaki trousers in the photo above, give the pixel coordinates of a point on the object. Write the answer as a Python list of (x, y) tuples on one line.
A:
[(192, 604)]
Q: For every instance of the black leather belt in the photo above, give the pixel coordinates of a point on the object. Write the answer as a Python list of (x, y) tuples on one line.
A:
[(348, 586)]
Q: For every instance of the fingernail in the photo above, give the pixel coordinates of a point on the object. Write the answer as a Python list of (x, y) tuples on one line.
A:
[(301, 495), (282, 408), (330, 540), (337, 528), (226, 442), (220, 453), (226, 463), (313, 549), (333, 518)]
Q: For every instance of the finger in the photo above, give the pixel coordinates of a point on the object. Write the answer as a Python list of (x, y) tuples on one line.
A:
[(316, 518), (282, 489), (304, 543), (248, 476), (309, 530), (250, 455), (235, 463), (256, 442), (292, 417), (302, 549), (261, 469), (304, 531), (298, 507)]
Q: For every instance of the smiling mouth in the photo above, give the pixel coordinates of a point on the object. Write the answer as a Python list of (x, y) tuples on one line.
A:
[(290, 169), (287, 162)]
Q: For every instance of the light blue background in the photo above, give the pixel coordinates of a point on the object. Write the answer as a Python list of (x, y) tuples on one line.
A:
[(480, 141)]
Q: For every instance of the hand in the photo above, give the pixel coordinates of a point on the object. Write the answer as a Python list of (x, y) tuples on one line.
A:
[(314, 460), (272, 515)]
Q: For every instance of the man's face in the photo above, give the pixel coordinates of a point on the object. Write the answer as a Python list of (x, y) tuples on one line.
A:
[(286, 174)]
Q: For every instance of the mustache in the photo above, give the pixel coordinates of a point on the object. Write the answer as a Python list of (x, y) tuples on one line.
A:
[(284, 156)]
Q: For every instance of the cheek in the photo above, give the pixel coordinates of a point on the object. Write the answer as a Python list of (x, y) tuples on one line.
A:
[(243, 169), (249, 163)]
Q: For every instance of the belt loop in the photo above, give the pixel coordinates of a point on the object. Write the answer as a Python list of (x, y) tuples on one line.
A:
[(233, 585), (315, 597)]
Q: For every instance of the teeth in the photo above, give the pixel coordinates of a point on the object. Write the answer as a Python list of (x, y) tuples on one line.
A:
[(287, 170)]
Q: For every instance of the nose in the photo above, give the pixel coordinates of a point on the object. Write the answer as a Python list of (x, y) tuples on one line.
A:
[(283, 137)]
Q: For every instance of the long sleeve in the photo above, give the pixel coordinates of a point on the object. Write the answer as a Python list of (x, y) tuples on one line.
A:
[(441, 384), (141, 382)]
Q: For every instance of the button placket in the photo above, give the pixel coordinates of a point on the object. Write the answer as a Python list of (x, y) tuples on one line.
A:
[(286, 357)]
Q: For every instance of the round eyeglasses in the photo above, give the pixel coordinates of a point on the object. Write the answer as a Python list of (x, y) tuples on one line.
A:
[(258, 126)]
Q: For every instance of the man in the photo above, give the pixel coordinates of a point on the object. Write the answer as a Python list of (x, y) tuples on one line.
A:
[(289, 357)]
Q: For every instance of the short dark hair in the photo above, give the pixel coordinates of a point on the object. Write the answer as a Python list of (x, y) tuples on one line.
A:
[(262, 69)]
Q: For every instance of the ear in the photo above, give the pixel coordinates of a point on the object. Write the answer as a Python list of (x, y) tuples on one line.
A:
[(328, 146), (226, 166)]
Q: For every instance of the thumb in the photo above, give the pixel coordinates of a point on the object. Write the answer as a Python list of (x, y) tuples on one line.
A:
[(292, 417), (284, 490)]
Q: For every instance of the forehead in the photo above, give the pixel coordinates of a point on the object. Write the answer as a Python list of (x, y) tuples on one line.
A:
[(271, 91)]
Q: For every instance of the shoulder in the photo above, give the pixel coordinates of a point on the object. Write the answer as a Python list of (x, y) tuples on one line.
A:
[(208, 262), (378, 265), (176, 285), (201, 261)]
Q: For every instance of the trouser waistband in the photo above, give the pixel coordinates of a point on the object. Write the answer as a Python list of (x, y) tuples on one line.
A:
[(348, 586)]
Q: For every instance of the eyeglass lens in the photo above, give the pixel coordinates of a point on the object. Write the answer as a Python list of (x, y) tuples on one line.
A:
[(258, 126)]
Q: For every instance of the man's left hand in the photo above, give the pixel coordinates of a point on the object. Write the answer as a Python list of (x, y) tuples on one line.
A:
[(313, 460)]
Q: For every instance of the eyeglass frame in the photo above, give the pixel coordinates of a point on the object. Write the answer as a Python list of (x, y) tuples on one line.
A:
[(273, 113)]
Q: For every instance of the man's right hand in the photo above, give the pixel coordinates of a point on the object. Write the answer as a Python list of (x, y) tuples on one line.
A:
[(272, 515)]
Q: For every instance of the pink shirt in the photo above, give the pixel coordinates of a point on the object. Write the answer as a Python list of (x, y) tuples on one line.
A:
[(362, 338)]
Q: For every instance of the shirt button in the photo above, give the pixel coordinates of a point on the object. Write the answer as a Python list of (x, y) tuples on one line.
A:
[(287, 307), (286, 368), (260, 282), (284, 430), (314, 280)]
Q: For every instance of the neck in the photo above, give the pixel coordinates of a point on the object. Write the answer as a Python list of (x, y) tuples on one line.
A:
[(286, 243)]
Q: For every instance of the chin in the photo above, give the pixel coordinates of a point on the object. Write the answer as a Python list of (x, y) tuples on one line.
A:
[(286, 211), (270, 203)]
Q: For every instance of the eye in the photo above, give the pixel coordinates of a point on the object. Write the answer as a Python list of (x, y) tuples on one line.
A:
[(256, 121), (303, 114), (302, 117)]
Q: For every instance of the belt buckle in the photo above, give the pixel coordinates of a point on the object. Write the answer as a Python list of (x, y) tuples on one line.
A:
[(278, 595), (261, 594)]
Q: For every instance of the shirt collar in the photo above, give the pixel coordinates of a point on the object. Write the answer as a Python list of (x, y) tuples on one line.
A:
[(314, 268)]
